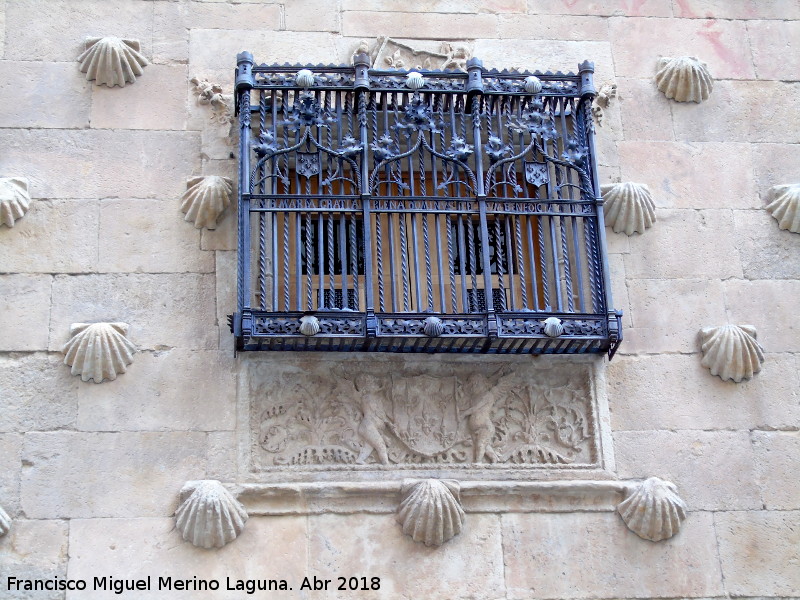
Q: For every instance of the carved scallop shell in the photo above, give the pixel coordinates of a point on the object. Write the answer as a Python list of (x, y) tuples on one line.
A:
[(533, 85), (433, 327), (309, 325), (111, 61), (205, 198), (304, 78), (209, 516), (98, 351), (430, 511), (629, 207), (553, 327), (684, 79), (14, 199), (785, 206), (731, 351), (5, 522), (415, 80), (653, 510)]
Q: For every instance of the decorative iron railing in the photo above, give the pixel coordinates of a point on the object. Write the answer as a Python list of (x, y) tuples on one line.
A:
[(430, 211)]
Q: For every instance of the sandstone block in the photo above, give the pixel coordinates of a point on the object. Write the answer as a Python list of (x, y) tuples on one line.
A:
[(10, 458), (775, 45), (613, 563), (308, 15), (34, 550), (37, 94), (679, 244), (435, 26), (775, 164), (150, 400), (546, 27), (759, 552), (58, 33), (101, 163), (619, 287), (56, 236), (766, 251), (469, 565), (770, 306), (677, 392), (645, 8), (164, 310), (638, 43), (149, 236), (777, 455), (727, 180), (439, 6), (667, 314), (131, 474), (2, 26), (24, 311), (714, 470), (37, 393), (157, 101), (224, 237), (222, 455), (721, 9), (226, 295), (645, 111), (268, 548)]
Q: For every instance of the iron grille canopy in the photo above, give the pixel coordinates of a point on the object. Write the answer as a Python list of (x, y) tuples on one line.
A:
[(419, 211)]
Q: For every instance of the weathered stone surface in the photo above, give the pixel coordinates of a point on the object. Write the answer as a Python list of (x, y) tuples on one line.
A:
[(775, 164), (309, 15), (147, 398), (770, 306), (644, 8), (723, 9), (37, 393), (430, 511), (593, 555), (38, 94), (775, 46), (638, 43), (163, 310), (57, 236), (407, 24), (619, 288), (714, 470), (777, 454), (546, 27), (131, 474), (24, 311), (2, 26), (268, 548), (222, 456), (677, 392), (645, 111), (439, 6), (157, 101), (208, 515), (468, 566), (101, 163), (727, 180), (667, 314), (673, 247), (10, 458), (34, 550), (759, 552), (653, 510), (224, 237), (226, 263), (58, 33), (767, 252), (149, 236), (15, 200)]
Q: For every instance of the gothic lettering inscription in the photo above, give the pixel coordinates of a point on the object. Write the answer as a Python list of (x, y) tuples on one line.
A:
[(372, 415)]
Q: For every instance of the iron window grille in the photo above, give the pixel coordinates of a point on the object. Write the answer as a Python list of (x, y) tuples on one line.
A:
[(456, 212)]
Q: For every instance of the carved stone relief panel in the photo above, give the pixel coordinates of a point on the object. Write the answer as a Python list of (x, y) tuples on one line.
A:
[(421, 414)]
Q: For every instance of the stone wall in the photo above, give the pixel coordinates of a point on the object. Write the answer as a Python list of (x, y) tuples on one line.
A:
[(90, 473)]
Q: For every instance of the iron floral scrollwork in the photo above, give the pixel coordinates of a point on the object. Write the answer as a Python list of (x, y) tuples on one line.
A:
[(418, 116), (495, 149), (306, 112)]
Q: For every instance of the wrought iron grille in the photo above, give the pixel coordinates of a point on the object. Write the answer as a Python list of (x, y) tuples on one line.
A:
[(430, 211)]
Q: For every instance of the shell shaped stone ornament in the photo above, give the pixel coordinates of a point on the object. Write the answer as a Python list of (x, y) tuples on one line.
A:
[(14, 199), (415, 80), (731, 351), (112, 61), (553, 327), (309, 325), (5, 522), (433, 327), (653, 510), (205, 199), (533, 85), (430, 511), (209, 516), (98, 351), (684, 79), (304, 78), (785, 206), (629, 207)]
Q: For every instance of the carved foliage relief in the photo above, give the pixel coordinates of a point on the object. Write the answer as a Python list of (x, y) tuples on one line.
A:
[(369, 415)]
